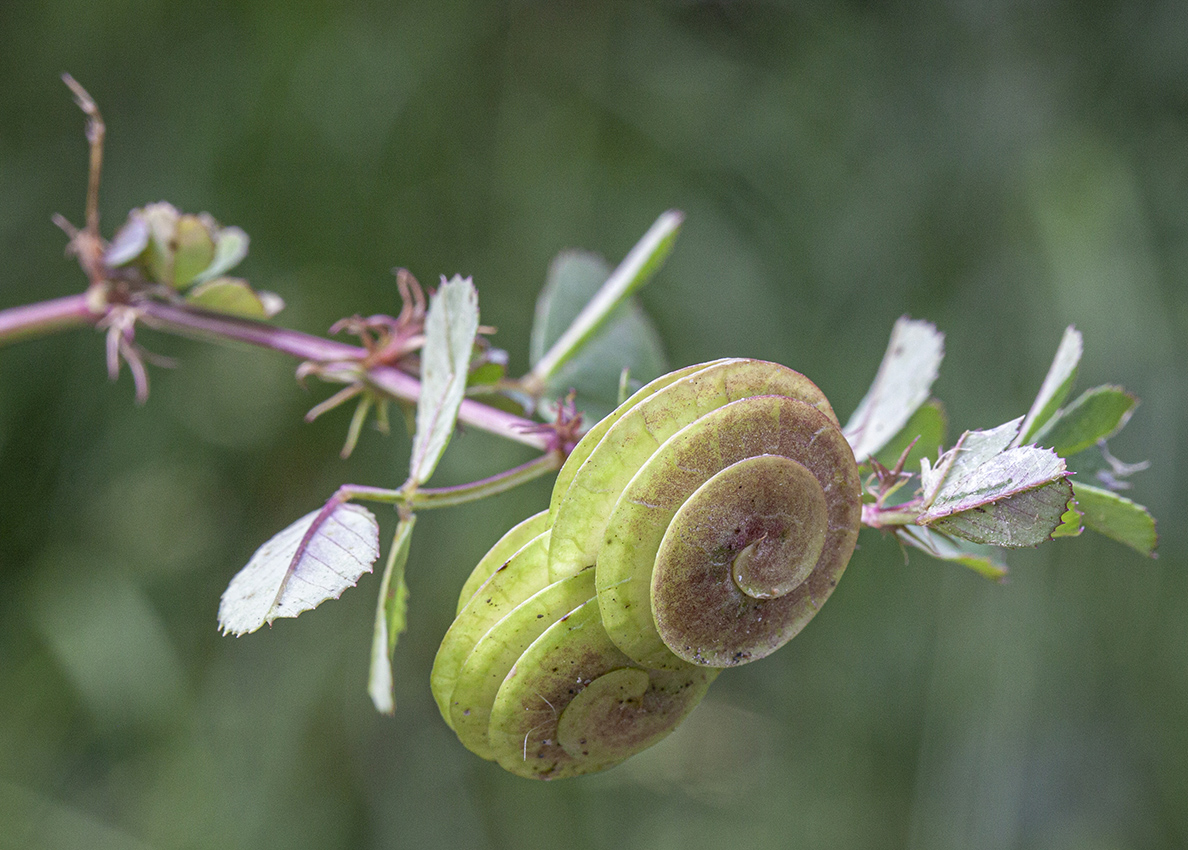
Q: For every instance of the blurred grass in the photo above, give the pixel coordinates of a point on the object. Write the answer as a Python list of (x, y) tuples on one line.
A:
[(1000, 169)]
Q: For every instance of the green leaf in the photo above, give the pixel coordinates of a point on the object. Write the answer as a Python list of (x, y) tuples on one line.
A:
[(391, 612), (928, 424), (574, 277), (628, 339), (904, 379), (643, 261), (314, 559), (1097, 414), (235, 297), (1070, 523), (1056, 387), (1117, 517), (450, 328), (980, 559), (1016, 498), (231, 246), (193, 248), (161, 219), (1028, 518), (491, 371)]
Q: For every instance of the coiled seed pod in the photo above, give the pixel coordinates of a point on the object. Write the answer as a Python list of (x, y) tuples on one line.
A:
[(697, 527)]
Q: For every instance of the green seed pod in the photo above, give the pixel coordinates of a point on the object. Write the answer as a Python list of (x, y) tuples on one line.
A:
[(521, 575), (699, 526), (489, 677), (573, 703), (731, 536), (507, 546)]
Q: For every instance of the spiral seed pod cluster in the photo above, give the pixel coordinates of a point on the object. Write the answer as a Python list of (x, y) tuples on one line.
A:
[(699, 526)]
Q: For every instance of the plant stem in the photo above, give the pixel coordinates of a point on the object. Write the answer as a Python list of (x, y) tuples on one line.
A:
[(47, 317), (874, 516), (387, 379), (444, 497), (207, 325)]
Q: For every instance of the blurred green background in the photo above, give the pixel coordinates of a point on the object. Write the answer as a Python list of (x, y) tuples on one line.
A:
[(1002, 169)]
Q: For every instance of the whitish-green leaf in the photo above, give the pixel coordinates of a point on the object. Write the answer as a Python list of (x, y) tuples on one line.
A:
[(973, 449), (981, 559), (643, 261), (904, 379), (974, 481), (161, 219), (301, 567), (628, 339), (235, 297), (1117, 518), (390, 617), (1016, 498), (450, 328), (231, 246), (129, 242), (1097, 414), (1056, 387), (926, 427)]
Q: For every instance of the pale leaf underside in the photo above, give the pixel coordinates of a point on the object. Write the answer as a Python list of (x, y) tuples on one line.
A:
[(904, 379), (272, 585), (1015, 498), (1056, 386), (973, 449), (450, 329)]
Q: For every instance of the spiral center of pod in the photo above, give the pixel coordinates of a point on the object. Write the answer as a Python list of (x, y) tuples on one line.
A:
[(784, 505), (771, 519), (747, 537), (600, 721)]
